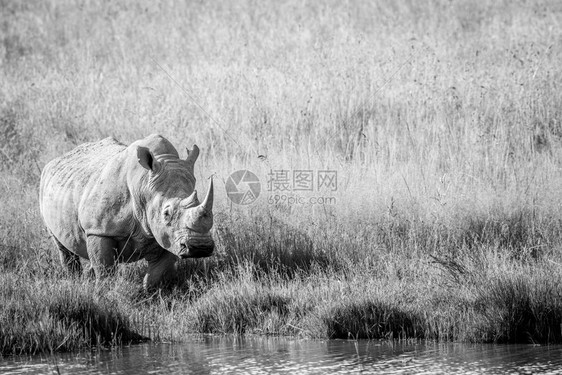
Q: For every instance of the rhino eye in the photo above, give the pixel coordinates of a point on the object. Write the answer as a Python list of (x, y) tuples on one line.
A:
[(167, 213)]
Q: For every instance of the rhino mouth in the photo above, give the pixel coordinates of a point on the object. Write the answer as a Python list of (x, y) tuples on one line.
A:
[(196, 245)]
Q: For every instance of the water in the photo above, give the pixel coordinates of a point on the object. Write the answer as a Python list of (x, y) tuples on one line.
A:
[(256, 355)]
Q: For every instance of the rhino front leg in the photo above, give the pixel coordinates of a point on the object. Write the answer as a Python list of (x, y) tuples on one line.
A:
[(102, 252), (161, 269)]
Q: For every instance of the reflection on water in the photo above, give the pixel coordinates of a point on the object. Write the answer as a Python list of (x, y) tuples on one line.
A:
[(257, 355)]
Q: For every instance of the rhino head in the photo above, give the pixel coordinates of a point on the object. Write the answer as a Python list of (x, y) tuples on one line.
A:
[(173, 214)]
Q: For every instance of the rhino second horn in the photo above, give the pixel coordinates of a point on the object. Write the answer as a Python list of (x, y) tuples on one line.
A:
[(208, 202), (192, 200)]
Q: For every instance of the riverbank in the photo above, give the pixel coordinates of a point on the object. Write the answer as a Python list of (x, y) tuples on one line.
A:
[(440, 123), (388, 276)]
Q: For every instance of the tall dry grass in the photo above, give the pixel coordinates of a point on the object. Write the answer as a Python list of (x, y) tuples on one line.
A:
[(442, 120)]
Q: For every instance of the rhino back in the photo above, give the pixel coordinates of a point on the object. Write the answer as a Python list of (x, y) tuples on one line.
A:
[(70, 190)]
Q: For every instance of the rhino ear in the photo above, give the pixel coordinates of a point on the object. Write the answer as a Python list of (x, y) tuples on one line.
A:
[(192, 155), (146, 159)]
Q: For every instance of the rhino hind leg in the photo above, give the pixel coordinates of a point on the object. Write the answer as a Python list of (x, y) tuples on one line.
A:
[(68, 259)]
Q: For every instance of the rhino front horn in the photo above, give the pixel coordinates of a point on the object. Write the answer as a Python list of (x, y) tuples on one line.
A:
[(208, 202)]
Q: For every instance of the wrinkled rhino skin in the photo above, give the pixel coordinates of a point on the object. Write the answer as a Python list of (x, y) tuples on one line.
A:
[(109, 203)]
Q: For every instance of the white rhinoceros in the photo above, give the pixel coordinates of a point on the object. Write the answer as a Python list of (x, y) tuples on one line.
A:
[(109, 203)]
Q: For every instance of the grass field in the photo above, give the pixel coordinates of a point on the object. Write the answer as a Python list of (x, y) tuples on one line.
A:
[(443, 120)]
